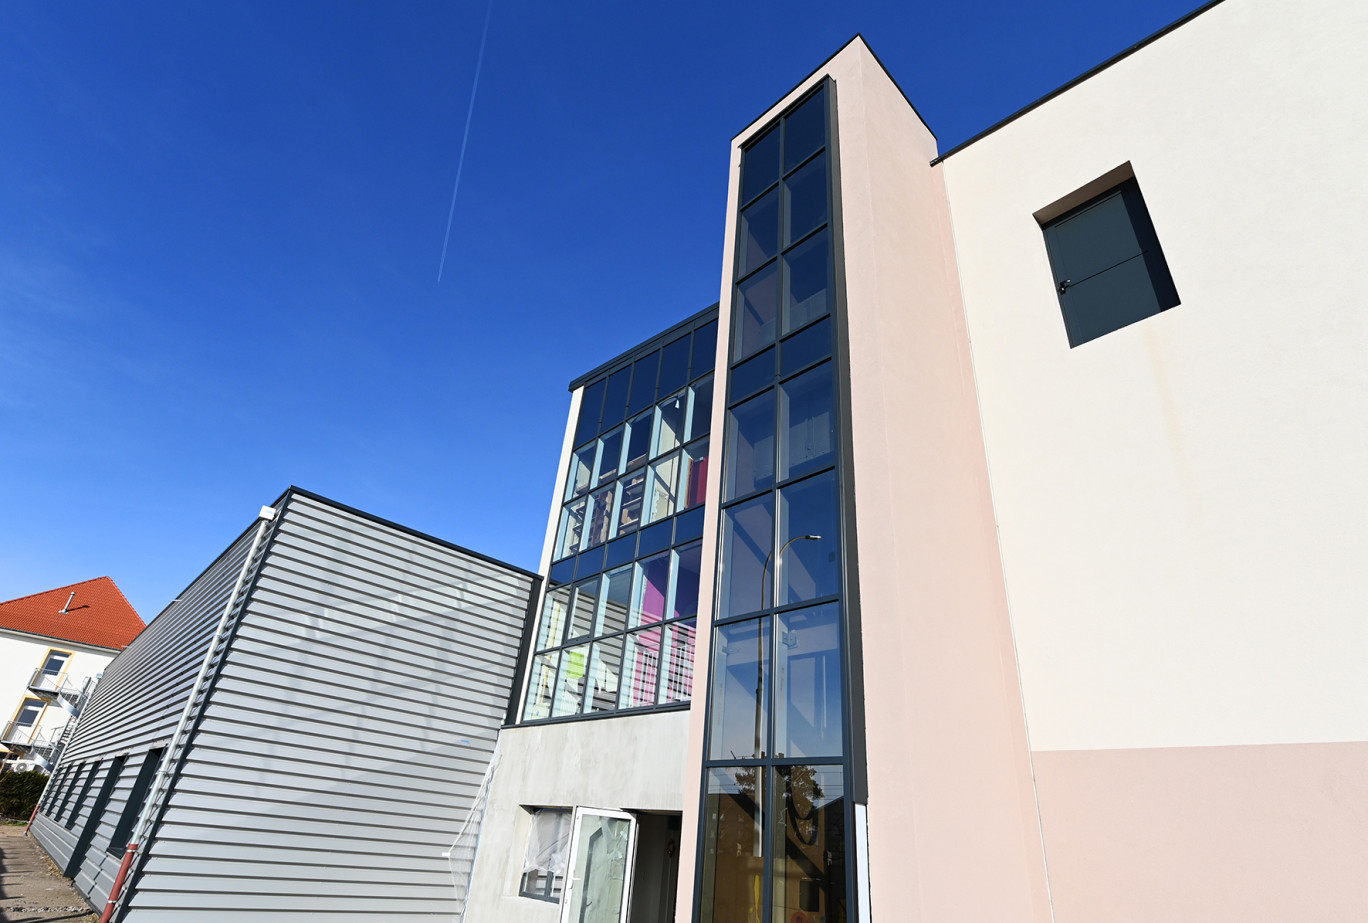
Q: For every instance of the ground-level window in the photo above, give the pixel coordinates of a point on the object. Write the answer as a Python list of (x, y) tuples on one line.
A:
[(548, 845)]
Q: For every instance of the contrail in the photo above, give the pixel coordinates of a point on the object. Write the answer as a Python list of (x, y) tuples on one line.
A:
[(464, 139)]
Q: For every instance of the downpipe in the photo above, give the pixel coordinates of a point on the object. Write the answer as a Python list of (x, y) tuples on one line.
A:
[(159, 783)]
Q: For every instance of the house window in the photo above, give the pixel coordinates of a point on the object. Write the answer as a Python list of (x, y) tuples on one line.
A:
[(1109, 270), (548, 845)]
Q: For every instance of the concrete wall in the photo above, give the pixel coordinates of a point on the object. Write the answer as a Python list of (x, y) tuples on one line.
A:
[(1181, 502)]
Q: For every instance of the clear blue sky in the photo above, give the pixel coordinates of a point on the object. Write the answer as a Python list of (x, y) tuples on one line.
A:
[(220, 228)]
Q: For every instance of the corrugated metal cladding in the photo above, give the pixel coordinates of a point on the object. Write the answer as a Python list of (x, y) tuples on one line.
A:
[(346, 733)]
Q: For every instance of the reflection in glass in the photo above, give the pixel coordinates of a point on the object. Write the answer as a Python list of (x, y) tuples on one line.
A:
[(660, 494), (806, 194), (809, 569), (669, 423), (693, 483), (610, 456), (739, 723), (759, 232), (601, 515), (584, 608), (540, 687), (760, 165), (733, 845), (808, 820), (755, 374), (807, 282), (629, 510), (678, 659), (806, 347), (806, 426), (674, 365), (615, 399), (571, 528), (570, 681), (552, 627), (687, 566), (617, 597), (581, 471), (644, 373), (652, 585), (750, 446), (807, 683), (747, 542), (704, 349), (598, 871), (638, 440), (757, 308), (604, 666), (640, 668), (700, 409), (591, 406), (804, 130)]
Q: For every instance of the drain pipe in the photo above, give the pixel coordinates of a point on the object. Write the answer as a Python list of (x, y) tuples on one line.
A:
[(264, 519)]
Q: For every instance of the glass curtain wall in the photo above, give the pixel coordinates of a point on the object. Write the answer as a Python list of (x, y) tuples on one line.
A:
[(775, 782)]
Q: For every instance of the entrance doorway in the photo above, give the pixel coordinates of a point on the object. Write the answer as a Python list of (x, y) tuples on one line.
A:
[(655, 879)]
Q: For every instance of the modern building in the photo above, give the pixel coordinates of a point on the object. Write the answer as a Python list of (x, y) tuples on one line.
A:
[(1026, 579), (53, 646), (300, 734)]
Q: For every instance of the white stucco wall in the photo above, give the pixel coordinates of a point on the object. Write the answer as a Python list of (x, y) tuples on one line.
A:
[(1181, 503), (21, 654)]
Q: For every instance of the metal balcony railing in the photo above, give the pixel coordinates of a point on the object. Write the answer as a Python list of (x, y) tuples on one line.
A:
[(19, 735), (50, 685)]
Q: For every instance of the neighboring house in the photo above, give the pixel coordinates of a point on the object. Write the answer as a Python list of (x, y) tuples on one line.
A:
[(347, 720), (53, 646), (1030, 579)]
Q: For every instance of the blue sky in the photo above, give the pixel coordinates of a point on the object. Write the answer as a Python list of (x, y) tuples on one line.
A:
[(220, 229)]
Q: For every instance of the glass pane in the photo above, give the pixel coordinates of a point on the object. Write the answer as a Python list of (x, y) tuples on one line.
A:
[(809, 844), (551, 631), (571, 527), (660, 499), (688, 563), (610, 456), (604, 667), (617, 597), (700, 409), (806, 194), (669, 432), (806, 424), (570, 681), (639, 440), (750, 446), (739, 724), (704, 349), (629, 509), (804, 130), (753, 375), (652, 587), (757, 308), (693, 484), (733, 845), (674, 365), (620, 551), (806, 347), (655, 538), (808, 568), (591, 406), (807, 282), (615, 399), (640, 668), (760, 165), (581, 471), (644, 374), (599, 872), (759, 233), (747, 542), (600, 515), (540, 687), (678, 659), (584, 608), (807, 683)]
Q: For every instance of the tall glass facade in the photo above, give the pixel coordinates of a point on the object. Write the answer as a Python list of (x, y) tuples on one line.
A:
[(775, 781), (619, 618)]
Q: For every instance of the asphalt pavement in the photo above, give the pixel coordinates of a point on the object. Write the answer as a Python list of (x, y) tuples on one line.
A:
[(31, 888)]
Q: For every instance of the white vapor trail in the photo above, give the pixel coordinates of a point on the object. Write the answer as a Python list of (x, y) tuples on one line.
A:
[(451, 212)]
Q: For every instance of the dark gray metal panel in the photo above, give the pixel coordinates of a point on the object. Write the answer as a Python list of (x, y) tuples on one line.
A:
[(347, 733)]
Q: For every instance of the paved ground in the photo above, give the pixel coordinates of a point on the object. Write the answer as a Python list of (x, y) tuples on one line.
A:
[(31, 888)]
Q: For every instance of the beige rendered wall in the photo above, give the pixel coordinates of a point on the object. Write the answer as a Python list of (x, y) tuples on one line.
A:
[(1181, 503)]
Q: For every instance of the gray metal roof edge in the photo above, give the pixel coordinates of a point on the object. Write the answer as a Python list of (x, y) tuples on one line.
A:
[(644, 346)]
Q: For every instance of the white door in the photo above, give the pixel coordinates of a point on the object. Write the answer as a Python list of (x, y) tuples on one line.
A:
[(599, 875)]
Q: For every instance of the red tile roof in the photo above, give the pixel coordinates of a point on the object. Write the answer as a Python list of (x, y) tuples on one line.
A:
[(98, 614)]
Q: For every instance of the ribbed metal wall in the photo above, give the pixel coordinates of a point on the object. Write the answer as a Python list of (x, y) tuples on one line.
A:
[(345, 735)]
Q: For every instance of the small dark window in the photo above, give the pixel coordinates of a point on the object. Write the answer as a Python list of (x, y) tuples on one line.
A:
[(1109, 271), (137, 794)]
